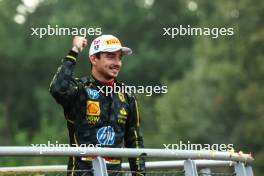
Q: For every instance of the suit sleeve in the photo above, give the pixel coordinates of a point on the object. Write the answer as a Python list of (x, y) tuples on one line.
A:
[(134, 138), (63, 87)]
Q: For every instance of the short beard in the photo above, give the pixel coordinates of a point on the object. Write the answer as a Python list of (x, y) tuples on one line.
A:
[(108, 76)]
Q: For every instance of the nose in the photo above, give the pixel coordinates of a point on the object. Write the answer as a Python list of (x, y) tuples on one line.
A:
[(118, 61)]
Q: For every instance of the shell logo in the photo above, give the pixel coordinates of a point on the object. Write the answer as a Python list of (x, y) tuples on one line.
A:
[(92, 108)]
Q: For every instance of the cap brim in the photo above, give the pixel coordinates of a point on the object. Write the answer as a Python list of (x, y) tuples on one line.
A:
[(125, 50)]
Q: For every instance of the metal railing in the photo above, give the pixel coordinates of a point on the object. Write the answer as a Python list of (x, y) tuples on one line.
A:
[(191, 159)]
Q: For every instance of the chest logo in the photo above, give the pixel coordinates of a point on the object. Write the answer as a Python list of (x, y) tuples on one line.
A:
[(106, 135), (92, 108), (121, 96), (92, 120), (92, 93), (123, 112)]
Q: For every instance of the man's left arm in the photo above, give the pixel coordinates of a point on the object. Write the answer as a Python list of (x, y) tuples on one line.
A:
[(134, 138)]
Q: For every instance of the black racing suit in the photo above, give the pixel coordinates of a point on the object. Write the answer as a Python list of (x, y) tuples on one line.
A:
[(96, 118)]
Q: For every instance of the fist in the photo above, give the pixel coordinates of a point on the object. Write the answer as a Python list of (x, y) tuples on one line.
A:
[(78, 43)]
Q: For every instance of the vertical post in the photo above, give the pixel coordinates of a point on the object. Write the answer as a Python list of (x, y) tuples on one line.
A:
[(240, 169), (99, 167), (190, 168), (205, 172), (249, 171)]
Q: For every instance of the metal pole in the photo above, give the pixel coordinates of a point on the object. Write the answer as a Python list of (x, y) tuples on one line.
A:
[(180, 163), (125, 166), (99, 167), (190, 168), (240, 169), (205, 172), (124, 152), (249, 171)]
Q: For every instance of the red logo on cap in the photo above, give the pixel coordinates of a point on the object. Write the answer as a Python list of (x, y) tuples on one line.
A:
[(96, 44)]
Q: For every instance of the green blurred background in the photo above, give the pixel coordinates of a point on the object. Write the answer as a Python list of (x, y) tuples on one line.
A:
[(215, 86)]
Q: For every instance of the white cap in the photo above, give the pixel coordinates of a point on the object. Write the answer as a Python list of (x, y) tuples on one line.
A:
[(108, 43)]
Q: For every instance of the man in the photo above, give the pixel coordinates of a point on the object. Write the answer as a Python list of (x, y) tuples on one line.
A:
[(94, 117)]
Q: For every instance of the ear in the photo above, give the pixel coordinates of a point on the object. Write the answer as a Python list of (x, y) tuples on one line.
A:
[(93, 59)]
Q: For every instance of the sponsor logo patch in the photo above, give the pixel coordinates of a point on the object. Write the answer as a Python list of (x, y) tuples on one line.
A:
[(106, 135), (112, 42), (121, 96), (93, 94), (92, 108), (92, 120), (122, 119), (96, 44), (123, 112)]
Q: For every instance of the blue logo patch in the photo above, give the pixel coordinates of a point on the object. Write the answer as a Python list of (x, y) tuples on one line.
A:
[(106, 135), (93, 94)]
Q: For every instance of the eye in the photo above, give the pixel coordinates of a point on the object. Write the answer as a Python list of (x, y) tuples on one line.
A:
[(111, 56)]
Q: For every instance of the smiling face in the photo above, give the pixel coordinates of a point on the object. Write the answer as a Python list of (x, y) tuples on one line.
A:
[(107, 66)]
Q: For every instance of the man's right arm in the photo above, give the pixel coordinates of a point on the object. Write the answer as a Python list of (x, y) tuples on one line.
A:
[(63, 87)]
